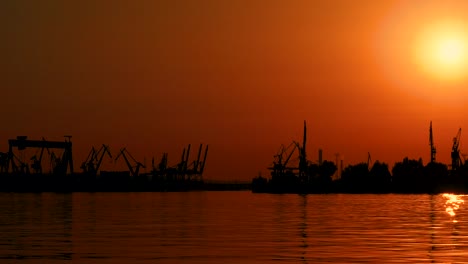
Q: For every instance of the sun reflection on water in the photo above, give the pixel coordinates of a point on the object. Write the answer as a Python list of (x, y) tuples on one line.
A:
[(452, 204)]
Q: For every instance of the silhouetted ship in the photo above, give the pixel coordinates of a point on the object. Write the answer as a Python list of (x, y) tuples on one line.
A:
[(408, 176), (24, 174)]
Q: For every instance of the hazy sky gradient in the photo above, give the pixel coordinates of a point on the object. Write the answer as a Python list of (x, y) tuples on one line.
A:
[(238, 75)]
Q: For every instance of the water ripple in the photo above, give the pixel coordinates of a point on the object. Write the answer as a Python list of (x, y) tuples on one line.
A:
[(232, 227)]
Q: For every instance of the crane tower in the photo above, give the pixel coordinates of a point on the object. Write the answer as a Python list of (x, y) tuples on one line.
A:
[(431, 143)]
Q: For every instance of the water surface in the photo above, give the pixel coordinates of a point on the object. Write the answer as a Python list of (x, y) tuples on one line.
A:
[(232, 227)]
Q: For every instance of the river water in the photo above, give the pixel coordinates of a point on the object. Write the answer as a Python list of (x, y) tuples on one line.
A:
[(232, 227)]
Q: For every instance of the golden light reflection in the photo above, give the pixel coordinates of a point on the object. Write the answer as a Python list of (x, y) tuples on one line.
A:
[(452, 204)]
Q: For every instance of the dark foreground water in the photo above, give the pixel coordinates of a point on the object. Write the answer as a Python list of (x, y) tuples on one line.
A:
[(232, 227)]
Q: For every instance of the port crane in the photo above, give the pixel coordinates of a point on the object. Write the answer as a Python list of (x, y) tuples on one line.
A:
[(279, 166), (196, 164), (88, 163), (195, 167), (23, 167), (134, 170), (54, 161), (36, 165), (294, 145), (184, 169), (456, 160), (63, 165), (431, 143), (94, 159), (183, 165), (202, 166), (178, 171), (161, 166)]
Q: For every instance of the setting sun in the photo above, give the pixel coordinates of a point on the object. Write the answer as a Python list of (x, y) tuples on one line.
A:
[(450, 51), (442, 51)]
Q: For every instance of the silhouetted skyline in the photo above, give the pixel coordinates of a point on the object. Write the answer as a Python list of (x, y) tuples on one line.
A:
[(154, 76)]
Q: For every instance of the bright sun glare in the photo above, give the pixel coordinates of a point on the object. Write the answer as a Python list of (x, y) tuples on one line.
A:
[(449, 52), (442, 51)]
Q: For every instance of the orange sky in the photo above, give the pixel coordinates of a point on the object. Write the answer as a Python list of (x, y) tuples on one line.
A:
[(239, 75)]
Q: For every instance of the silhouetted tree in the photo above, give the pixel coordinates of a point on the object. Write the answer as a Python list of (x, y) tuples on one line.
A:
[(408, 176), (435, 176), (326, 171), (312, 172), (354, 178), (380, 177)]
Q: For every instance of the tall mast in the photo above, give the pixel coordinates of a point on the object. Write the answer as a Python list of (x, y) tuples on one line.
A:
[(302, 157), (431, 143), (304, 139)]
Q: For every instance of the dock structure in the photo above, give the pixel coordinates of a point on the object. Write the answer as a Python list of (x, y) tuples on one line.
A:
[(93, 161), (184, 170), (62, 165), (20, 170), (407, 176), (282, 172)]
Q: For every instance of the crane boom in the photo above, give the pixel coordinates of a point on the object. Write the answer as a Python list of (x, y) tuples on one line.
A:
[(202, 168), (85, 166), (186, 159), (105, 149), (133, 172), (290, 154), (197, 163), (456, 161), (122, 153), (456, 140)]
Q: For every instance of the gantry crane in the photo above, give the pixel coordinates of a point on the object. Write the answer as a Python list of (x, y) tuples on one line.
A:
[(202, 165), (183, 165), (62, 165), (456, 161), (196, 164), (36, 165), (196, 167)]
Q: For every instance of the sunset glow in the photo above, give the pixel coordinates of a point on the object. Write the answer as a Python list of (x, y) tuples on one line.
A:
[(423, 49), (442, 52), (238, 75)]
